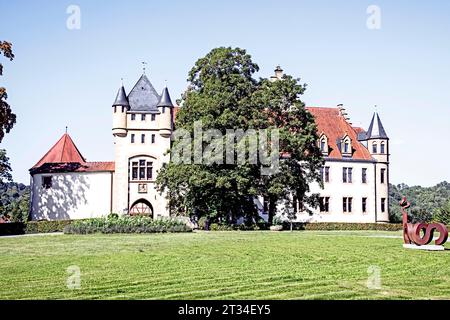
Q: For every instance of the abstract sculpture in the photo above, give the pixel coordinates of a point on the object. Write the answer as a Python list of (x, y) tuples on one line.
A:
[(412, 232)]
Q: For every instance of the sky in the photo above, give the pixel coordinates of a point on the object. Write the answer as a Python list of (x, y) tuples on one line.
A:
[(65, 76)]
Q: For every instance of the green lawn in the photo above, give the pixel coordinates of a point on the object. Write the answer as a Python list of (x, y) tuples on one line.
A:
[(222, 265)]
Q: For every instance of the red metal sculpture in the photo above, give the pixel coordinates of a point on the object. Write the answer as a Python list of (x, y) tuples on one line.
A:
[(412, 232)]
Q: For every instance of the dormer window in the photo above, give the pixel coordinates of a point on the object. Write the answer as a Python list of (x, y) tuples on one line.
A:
[(346, 145), (323, 144), (374, 147), (382, 147)]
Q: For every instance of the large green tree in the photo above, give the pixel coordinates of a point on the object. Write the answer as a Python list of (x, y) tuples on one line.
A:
[(301, 158), (221, 85), (224, 95), (7, 117)]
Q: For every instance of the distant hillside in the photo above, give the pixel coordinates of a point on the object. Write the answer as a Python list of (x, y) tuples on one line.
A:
[(14, 200), (422, 199)]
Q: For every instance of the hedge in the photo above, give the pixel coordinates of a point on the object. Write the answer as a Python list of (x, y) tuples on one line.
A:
[(46, 226), (330, 226), (126, 224)]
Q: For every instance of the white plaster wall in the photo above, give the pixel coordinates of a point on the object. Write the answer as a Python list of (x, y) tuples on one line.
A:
[(337, 190), (72, 196), (125, 192)]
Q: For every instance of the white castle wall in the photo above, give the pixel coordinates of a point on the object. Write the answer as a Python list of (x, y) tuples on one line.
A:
[(126, 191), (75, 195), (337, 190)]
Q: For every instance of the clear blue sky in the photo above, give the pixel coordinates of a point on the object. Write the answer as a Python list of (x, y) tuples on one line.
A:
[(70, 77)]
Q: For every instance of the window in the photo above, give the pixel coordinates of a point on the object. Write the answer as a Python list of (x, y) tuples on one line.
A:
[(364, 175), (346, 147), (132, 138), (324, 204), (133, 116), (153, 117), (374, 147), (322, 145), (364, 205), (347, 175), (47, 182), (383, 204), (347, 204), (123, 109), (325, 174), (142, 138), (163, 109), (142, 117), (141, 170), (153, 138), (382, 148), (383, 172), (115, 109), (134, 170)]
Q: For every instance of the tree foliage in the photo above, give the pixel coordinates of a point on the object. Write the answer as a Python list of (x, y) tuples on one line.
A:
[(14, 201), (426, 202), (7, 117), (224, 95)]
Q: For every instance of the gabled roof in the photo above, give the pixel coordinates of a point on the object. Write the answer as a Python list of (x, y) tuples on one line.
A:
[(376, 129), (64, 151), (335, 127), (143, 96)]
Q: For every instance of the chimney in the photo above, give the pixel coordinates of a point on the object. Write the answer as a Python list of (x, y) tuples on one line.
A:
[(342, 112)]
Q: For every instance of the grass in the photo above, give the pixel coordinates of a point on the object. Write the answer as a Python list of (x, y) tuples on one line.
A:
[(222, 265)]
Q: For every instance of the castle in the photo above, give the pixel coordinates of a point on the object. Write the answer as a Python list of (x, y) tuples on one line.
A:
[(65, 186)]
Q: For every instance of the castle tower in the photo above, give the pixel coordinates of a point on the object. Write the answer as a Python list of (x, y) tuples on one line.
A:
[(141, 129), (378, 145), (165, 107), (120, 108)]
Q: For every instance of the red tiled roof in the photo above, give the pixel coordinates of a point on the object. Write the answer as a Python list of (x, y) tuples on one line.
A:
[(100, 166), (64, 156), (330, 122), (63, 151)]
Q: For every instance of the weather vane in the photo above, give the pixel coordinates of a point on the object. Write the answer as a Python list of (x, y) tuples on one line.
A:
[(144, 64)]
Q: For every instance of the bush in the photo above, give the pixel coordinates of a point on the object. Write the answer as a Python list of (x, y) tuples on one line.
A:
[(126, 224), (331, 226), (46, 226)]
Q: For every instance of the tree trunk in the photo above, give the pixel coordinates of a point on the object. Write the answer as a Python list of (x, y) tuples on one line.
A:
[(272, 209)]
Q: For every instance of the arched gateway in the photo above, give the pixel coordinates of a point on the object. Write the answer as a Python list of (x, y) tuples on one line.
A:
[(141, 207)]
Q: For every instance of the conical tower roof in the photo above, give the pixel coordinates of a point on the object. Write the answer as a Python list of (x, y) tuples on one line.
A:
[(64, 151), (121, 98), (165, 100), (376, 129)]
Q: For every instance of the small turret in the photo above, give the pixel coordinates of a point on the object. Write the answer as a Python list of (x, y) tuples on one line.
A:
[(165, 107), (278, 74), (120, 108), (377, 140)]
